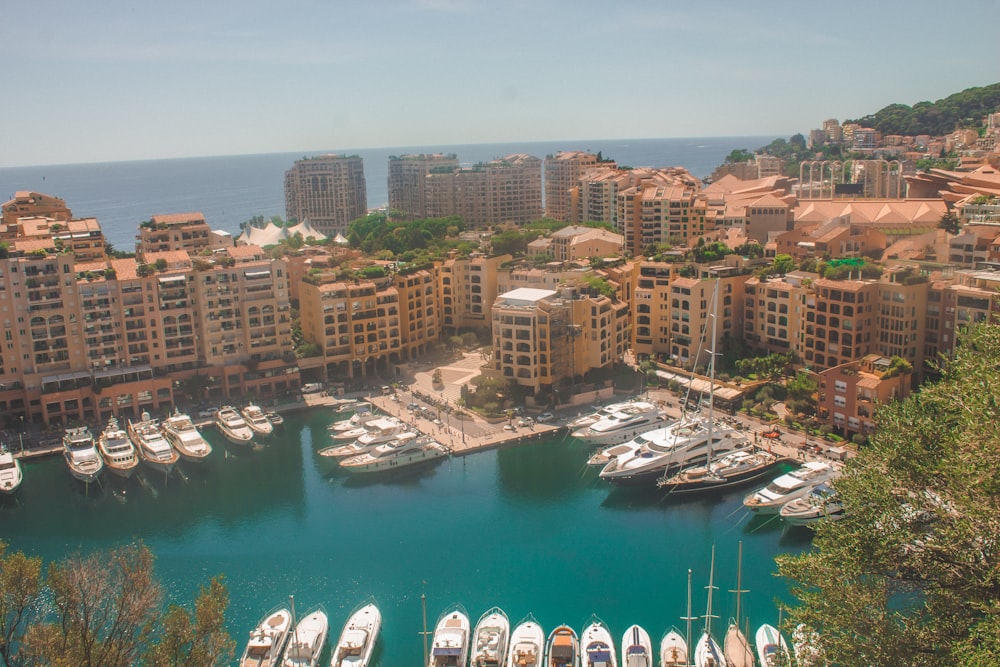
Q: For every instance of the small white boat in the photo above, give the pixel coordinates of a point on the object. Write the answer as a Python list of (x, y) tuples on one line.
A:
[(267, 640), (10, 473), (395, 455), (789, 486), (822, 503), (257, 420), (807, 647), (527, 642), (275, 418), (597, 648), (182, 434), (81, 455), (562, 648), (357, 640), (772, 650), (673, 649), (450, 646), (708, 653), (117, 450), (637, 648), (233, 426), (357, 420), (307, 640), (584, 421), (489, 639), (153, 448)]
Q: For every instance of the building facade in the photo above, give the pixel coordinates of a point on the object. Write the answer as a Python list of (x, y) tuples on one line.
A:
[(408, 181), (328, 190)]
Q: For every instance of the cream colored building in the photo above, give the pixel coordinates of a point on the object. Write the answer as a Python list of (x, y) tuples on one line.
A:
[(180, 231), (774, 317), (503, 191), (327, 190), (563, 172), (468, 286), (408, 181)]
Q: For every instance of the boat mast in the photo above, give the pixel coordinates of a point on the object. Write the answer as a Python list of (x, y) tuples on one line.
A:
[(739, 582), (711, 372), (688, 618), (711, 586), (295, 626)]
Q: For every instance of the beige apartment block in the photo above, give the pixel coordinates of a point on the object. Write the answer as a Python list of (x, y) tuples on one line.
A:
[(503, 191), (27, 204), (595, 198), (574, 243), (774, 318), (970, 297), (180, 231), (408, 181), (563, 172), (840, 322), (83, 237), (691, 311), (419, 311), (850, 392), (901, 320), (327, 190), (653, 214), (468, 287), (651, 309)]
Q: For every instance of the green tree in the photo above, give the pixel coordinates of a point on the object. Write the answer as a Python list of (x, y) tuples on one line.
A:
[(20, 588), (949, 223), (195, 640), (911, 576)]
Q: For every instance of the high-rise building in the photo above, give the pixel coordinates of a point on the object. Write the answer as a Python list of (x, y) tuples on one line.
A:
[(408, 181), (562, 176), (504, 191), (327, 190)]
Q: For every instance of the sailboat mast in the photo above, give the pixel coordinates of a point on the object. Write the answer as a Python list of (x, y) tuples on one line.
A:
[(689, 617), (711, 370), (710, 587), (739, 581)]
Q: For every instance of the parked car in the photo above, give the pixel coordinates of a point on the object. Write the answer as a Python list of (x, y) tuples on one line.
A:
[(546, 417), (312, 387), (413, 406), (525, 421)]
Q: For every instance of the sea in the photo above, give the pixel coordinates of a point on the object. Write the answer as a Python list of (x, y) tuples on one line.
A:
[(232, 189), (528, 528)]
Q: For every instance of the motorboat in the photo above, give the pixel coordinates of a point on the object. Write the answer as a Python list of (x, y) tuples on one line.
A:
[(586, 420), (117, 450), (527, 642), (772, 649), (789, 486), (267, 640), (11, 475), (628, 422), (307, 640), (395, 455), (233, 426), (673, 649), (183, 436), (350, 435), (153, 448), (562, 648), (81, 454), (822, 503), (637, 648), (275, 418), (357, 639), (726, 471), (807, 647), (601, 457), (597, 647), (450, 645), (489, 639), (357, 420), (663, 451), (361, 446), (257, 420), (347, 404)]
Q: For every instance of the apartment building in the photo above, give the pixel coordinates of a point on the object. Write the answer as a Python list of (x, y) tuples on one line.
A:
[(774, 317), (27, 204), (901, 317), (651, 307), (327, 190), (692, 308), (595, 197), (840, 322), (651, 214), (419, 311), (850, 392), (83, 237), (562, 175), (468, 287), (180, 231), (503, 191), (408, 181), (968, 298)]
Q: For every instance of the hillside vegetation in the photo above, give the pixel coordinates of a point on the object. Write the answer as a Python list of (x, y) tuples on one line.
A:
[(964, 109)]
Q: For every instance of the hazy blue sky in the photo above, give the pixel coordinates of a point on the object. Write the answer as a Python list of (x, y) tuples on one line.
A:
[(95, 80)]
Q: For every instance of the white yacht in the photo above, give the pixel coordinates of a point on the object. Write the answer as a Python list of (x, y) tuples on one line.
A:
[(10, 473), (81, 454), (357, 640), (527, 642), (822, 503), (597, 648), (357, 420), (707, 652), (267, 640), (396, 454), (637, 648), (726, 471), (562, 648), (381, 431), (307, 640), (153, 448), (666, 450), (182, 434), (450, 645), (673, 649), (628, 422), (772, 649), (586, 420), (257, 420), (489, 639), (117, 450), (356, 448), (789, 486), (233, 426)]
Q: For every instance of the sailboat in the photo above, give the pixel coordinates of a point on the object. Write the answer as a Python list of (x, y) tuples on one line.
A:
[(707, 652), (674, 646), (735, 645)]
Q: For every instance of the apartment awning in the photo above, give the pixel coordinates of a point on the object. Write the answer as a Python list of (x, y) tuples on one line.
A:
[(257, 274), (129, 370), (66, 377), (172, 279)]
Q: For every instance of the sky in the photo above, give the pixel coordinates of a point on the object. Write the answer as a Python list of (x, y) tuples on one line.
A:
[(99, 81)]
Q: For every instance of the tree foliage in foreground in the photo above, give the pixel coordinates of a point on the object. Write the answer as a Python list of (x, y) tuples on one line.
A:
[(912, 575), (104, 610)]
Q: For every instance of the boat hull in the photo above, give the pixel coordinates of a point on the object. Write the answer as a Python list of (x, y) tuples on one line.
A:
[(357, 639), (121, 471), (709, 486), (673, 650), (11, 474), (85, 475), (408, 459)]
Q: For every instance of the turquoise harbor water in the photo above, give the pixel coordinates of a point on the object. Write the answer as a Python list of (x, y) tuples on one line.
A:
[(527, 528)]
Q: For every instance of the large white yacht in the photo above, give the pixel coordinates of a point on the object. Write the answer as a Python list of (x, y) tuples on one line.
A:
[(357, 640), (267, 640), (81, 455), (181, 432), (396, 454), (586, 420), (233, 426), (117, 450), (628, 422), (450, 646), (308, 638), (723, 472), (681, 444), (822, 503), (10, 473), (527, 643), (789, 486), (359, 447), (257, 420), (153, 448)]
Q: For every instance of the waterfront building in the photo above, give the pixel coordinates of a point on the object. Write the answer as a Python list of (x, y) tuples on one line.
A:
[(901, 319), (595, 197), (774, 320), (180, 231), (468, 287), (27, 204), (562, 174), (503, 191), (327, 190), (419, 311), (840, 322), (691, 311), (408, 181), (651, 307), (850, 392)]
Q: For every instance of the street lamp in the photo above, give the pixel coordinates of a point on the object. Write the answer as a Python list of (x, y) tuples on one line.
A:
[(21, 434)]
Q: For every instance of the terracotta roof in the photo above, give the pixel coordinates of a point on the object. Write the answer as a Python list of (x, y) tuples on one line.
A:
[(30, 245), (125, 269), (177, 218), (249, 251), (173, 258), (92, 266)]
